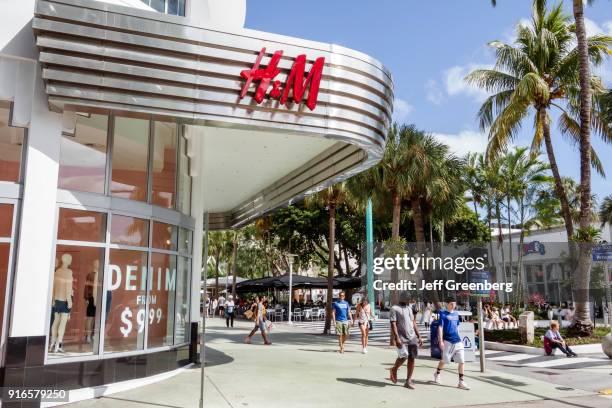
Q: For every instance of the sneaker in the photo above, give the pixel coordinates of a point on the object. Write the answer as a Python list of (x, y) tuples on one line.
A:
[(409, 384), (247, 340), (437, 378), (364, 350), (462, 385)]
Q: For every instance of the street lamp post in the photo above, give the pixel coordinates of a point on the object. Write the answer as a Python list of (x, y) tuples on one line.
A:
[(290, 301)]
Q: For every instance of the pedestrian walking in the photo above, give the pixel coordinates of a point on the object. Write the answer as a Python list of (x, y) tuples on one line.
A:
[(407, 338), (259, 313), (426, 316), (451, 346), (341, 316), (229, 311), (221, 306), (363, 314), (215, 303)]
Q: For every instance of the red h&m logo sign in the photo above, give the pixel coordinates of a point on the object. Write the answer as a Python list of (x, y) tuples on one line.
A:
[(264, 77)]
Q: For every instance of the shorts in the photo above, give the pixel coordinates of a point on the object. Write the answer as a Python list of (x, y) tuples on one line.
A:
[(61, 306), (342, 328), (454, 352), (262, 326), (410, 351)]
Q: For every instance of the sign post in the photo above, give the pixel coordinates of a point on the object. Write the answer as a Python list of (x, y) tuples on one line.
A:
[(370, 255), (480, 277), (290, 301)]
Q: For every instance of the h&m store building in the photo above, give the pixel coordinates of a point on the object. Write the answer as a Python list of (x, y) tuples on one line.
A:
[(126, 128)]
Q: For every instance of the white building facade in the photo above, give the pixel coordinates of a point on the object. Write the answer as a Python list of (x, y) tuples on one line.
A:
[(128, 126)]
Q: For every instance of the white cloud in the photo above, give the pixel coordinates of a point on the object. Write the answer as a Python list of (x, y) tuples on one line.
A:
[(592, 28), (510, 34), (464, 142), (454, 79), (433, 93), (401, 110)]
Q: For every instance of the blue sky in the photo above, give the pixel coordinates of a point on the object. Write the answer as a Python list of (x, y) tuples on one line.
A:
[(429, 46)]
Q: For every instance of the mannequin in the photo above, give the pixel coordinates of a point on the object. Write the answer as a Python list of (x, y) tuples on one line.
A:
[(91, 294), (62, 302)]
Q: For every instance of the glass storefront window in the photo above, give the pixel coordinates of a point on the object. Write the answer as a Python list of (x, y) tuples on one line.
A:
[(83, 155), (185, 237), (184, 195), (126, 276), (11, 144), (5, 250), (77, 294), (129, 231), (6, 220), (146, 291), (183, 289), (130, 158), (80, 225), (164, 236), (162, 291), (6, 229), (164, 164)]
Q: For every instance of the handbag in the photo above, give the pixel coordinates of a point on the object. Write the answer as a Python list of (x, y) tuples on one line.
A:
[(249, 314), (269, 326)]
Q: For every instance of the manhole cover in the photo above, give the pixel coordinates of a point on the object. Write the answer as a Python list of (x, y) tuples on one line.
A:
[(546, 372)]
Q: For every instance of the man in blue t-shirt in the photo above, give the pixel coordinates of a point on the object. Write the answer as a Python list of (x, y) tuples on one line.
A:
[(451, 346), (341, 314)]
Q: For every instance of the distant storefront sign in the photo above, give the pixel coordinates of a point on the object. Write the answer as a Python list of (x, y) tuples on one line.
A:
[(480, 277), (602, 253), (535, 247)]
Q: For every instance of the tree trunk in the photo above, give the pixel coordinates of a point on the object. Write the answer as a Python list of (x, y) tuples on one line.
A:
[(500, 239), (347, 264), (395, 236), (521, 269), (419, 227), (330, 267), (234, 256), (559, 189), (217, 275), (582, 320), (509, 233), (397, 210)]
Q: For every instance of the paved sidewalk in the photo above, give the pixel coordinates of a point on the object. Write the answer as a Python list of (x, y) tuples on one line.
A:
[(304, 370)]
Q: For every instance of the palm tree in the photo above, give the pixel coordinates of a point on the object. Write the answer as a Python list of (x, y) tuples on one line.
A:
[(331, 197), (436, 185), (605, 211), (526, 175), (473, 179), (389, 177), (536, 74)]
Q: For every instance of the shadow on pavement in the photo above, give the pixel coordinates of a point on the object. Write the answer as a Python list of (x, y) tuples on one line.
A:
[(146, 403), (366, 383), (503, 380)]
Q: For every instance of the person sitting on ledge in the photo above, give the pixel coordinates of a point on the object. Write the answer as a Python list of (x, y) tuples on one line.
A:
[(556, 341)]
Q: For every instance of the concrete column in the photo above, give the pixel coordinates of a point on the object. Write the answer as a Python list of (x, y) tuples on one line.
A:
[(195, 135), (34, 268)]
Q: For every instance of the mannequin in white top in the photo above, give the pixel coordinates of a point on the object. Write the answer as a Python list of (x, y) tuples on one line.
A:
[(91, 295), (62, 302)]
